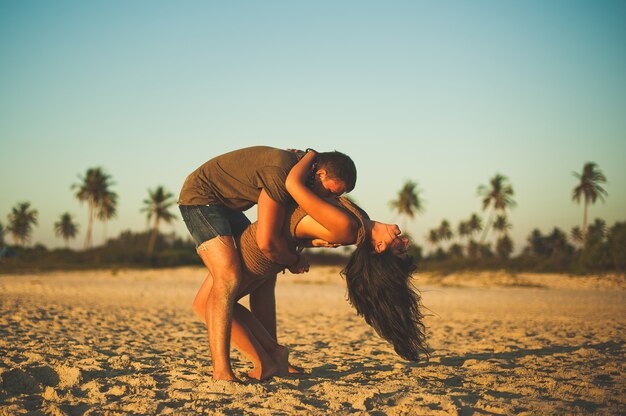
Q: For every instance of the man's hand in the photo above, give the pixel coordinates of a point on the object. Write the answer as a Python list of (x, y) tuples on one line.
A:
[(301, 266)]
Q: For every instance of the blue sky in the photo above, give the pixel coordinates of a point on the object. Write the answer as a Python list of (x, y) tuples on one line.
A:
[(444, 93)]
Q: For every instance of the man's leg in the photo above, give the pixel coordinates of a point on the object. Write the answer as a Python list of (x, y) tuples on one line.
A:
[(221, 258), (241, 335)]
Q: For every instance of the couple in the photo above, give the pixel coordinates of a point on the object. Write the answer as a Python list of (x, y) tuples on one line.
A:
[(299, 205)]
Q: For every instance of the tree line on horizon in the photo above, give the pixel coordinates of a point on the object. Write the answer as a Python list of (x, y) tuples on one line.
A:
[(584, 246), (468, 240), (95, 190)]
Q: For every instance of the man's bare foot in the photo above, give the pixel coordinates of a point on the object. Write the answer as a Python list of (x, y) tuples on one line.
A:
[(226, 376), (263, 372)]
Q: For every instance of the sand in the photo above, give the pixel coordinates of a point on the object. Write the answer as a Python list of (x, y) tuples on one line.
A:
[(127, 342)]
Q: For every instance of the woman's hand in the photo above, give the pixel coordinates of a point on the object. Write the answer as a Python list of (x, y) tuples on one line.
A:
[(318, 242), (301, 265)]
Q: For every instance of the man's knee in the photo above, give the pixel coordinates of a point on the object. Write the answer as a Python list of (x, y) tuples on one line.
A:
[(227, 280), (220, 256)]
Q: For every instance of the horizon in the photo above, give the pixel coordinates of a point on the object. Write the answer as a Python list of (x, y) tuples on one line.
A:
[(443, 94)]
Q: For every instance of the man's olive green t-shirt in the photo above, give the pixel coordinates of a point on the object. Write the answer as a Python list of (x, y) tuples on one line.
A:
[(235, 179)]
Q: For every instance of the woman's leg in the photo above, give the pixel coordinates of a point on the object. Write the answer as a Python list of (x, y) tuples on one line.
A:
[(199, 303), (244, 339), (278, 353), (263, 309)]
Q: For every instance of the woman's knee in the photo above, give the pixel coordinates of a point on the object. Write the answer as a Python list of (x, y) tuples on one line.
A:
[(198, 309)]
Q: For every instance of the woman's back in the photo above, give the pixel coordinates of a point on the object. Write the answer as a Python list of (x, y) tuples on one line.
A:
[(253, 260)]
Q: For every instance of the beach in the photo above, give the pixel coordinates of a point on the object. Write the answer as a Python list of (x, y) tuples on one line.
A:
[(128, 342)]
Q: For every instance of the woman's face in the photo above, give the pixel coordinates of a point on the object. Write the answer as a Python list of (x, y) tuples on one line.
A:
[(389, 237)]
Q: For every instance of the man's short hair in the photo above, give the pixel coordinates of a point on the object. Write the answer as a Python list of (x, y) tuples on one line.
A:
[(338, 166)]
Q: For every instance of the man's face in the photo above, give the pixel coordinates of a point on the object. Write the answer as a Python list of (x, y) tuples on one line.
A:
[(327, 187)]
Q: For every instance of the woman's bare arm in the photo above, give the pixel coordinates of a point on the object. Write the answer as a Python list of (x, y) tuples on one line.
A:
[(335, 224)]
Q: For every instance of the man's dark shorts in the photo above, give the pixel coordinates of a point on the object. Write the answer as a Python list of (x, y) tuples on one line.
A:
[(206, 222)]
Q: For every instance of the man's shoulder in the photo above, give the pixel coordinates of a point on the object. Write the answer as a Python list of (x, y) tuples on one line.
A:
[(268, 156)]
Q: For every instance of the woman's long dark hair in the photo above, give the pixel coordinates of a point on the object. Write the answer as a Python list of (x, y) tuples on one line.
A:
[(380, 289)]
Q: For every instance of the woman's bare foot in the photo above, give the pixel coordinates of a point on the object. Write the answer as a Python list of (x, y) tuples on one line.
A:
[(263, 372), (281, 356), (294, 370)]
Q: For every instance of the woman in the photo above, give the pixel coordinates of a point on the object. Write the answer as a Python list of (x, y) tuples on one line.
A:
[(377, 275), (378, 272)]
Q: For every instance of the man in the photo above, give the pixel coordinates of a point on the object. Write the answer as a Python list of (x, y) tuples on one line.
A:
[(211, 202)]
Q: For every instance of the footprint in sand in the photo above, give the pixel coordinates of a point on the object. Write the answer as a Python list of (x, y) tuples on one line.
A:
[(18, 381), (36, 379)]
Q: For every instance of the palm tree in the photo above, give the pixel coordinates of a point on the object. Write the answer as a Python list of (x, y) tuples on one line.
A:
[(93, 189), (536, 243), (558, 242), (475, 224), (499, 196), (21, 221), (502, 225), (156, 206), (504, 246), (596, 232), (473, 249), (409, 202), (444, 232), (616, 244), (433, 237), (589, 188), (107, 210), (463, 231), (456, 251), (577, 236), (66, 228)]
